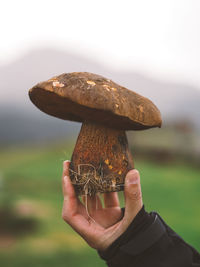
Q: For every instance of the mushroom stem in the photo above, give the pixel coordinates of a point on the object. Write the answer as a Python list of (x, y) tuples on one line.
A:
[(100, 160)]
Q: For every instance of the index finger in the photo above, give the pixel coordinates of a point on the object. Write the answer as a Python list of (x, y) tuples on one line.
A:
[(66, 167), (111, 200), (72, 204), (64, 175), (68, 190)]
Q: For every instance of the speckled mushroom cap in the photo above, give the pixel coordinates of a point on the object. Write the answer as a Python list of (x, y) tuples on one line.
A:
[(83, 96)]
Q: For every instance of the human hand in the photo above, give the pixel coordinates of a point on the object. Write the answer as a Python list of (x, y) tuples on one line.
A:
[(100, 226)]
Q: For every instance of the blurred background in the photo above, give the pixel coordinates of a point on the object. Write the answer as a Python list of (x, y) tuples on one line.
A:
[(151, 47)]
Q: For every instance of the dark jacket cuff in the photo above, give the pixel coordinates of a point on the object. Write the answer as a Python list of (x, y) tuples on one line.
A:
[(144, 230), (149, 241)]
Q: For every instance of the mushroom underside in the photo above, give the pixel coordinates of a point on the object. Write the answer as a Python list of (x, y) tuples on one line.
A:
[(63, 108)]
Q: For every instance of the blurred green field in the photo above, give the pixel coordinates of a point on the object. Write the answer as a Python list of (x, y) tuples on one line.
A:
[(30, 186)]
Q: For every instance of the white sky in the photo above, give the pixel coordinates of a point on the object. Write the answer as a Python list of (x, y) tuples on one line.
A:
[(157, 37)]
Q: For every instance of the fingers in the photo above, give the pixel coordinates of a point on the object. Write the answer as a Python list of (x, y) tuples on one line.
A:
[(133, 195), (70, 199), (111, 200), (65, 176), (71, 203), (73, 211), (92, 203), (66, 164)]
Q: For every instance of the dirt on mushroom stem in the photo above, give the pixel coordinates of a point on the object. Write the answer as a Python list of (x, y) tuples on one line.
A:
[(101, 160)]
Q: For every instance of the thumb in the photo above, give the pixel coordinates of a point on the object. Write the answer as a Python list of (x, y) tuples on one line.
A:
[(133, 195)]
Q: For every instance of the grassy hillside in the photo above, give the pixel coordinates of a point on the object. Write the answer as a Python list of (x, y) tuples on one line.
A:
[(30, 189)]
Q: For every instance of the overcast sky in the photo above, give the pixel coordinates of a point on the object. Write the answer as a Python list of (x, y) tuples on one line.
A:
[(160, 38)]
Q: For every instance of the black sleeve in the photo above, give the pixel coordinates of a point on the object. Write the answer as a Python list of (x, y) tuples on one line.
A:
[(147, 242)]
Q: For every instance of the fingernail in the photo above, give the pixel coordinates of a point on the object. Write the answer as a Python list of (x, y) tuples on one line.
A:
[(66, 161)]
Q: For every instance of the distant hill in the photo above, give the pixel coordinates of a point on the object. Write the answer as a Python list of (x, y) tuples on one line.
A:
[(22, 127), (20, 121)]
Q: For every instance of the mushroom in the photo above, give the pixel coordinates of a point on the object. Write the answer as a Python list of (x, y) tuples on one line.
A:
[(101, 157)]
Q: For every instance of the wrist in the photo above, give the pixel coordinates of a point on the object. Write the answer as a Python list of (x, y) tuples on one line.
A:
[(139, 224)]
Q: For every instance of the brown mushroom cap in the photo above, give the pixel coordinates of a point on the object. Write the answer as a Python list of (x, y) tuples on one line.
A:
[(83, 96)]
